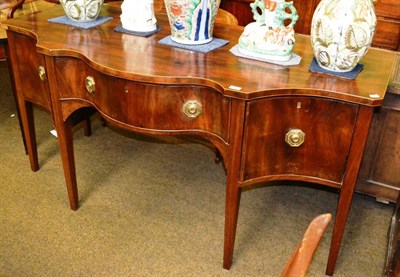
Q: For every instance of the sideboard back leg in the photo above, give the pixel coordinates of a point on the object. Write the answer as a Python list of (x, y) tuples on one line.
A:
[(349, 180)]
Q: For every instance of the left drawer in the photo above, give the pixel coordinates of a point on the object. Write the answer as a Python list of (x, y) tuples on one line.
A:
[(31, 67)]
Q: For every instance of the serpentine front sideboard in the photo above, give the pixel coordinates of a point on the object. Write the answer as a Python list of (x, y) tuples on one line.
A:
[(268, 122)]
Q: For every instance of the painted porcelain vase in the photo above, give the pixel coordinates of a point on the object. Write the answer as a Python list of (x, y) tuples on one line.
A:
[(269, 37), (342, 32), (82, 10), (192, 21)]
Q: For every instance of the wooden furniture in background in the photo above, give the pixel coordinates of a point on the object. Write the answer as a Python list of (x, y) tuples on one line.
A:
[(387, 34), (301, 259), (251, 111), (392, 267), (8, 8), (380, 169)]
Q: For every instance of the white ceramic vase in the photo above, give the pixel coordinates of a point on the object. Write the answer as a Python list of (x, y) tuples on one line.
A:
[(82, 10), (192, 21), (342, 32), (138, 15)]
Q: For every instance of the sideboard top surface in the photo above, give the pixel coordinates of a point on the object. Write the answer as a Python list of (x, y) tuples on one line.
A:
[(143, 59)]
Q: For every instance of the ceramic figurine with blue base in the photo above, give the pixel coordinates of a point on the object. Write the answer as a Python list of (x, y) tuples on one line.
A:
[(268, 37)]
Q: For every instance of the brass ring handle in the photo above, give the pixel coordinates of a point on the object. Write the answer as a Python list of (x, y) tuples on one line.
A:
[(90, 84), (42, 73), (295, 137), (192, 108)]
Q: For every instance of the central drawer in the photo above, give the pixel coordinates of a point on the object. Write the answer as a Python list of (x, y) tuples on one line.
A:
[(144, 105), (297, 136)]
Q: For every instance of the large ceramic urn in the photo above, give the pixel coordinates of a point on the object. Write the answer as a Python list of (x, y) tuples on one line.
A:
[(192, 21), (342, 32)]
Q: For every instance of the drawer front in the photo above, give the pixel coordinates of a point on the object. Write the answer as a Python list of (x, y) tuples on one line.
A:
[(274, 131), (149, 106), (28, 62)]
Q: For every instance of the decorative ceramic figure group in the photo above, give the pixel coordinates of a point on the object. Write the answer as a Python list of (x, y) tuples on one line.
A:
[(342, 32), (82, 10), (192, 21), (138, 15), (268, 37)]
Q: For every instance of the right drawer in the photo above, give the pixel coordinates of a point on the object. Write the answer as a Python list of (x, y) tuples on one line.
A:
[(272, 138)]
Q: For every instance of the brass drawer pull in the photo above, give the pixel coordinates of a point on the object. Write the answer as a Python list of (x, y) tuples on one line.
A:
[(90, 84), (295, 137), (42, 73), (192, 108)]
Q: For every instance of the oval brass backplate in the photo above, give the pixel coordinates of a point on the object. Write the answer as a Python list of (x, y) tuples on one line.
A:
[(42, 73), (90, 84)]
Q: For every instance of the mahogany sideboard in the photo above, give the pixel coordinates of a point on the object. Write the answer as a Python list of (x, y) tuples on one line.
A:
[(268, 122), (380, 170)]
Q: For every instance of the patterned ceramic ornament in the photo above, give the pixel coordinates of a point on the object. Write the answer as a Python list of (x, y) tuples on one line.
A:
[(270, 37), (82, 10), (342, 32), (192, 21)]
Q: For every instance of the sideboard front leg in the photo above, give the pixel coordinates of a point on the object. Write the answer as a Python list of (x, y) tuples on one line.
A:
[(233, 191), (64, 134), (359, 140), (65, 140)]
